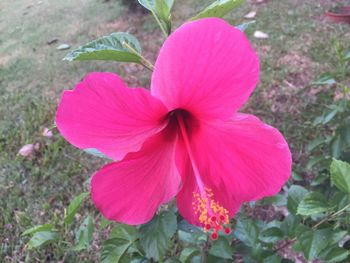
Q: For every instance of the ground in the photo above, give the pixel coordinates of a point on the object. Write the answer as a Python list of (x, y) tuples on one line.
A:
[(33, 75)]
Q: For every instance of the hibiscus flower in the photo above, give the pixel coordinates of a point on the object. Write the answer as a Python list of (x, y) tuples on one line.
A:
[(184, 138)]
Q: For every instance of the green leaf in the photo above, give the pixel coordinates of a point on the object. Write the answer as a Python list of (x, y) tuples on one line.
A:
[(221, 248), (277, 200), (96, 152), (290, 225), (83, 236), (38, 228), (296, 193), (160, 9), (125, 232), (42, 238), (189, 255), (218, 9), (320, 178), (114, 250), (155, 236), (347, 56), (271, 235), (336, 146), (247, 231), (315, 143), (243, 27), (313, 203), (325, 79), (122, 239), (272, 259), (340, 175), (73, 207), (108, 48), (334, 254), (311, 241)]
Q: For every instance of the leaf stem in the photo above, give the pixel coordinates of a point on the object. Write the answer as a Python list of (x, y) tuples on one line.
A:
[(144, 62), (331, 216), (160, 24)]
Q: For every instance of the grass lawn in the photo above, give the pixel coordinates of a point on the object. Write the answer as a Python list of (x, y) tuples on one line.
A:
[(32, 76)]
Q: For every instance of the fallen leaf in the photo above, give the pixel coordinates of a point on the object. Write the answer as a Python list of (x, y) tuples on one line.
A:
[(260, 34), (47, 133), (250, 15), (26, 150), (63, 47)]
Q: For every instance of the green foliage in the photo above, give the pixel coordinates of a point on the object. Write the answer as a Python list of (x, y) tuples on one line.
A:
[(73, 207), (313, 203), (219, 8), (83, 235), (160, 9), (96, 152), (311, 242), (42, 238), (155, 236), (296, 193), (123, 238), (112, 47), (221, 248), (340, 174)]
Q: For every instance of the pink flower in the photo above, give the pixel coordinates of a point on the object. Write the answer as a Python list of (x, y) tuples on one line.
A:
[(185, 137)]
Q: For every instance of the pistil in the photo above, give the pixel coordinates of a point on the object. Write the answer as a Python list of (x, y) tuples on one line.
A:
[(212, 216)]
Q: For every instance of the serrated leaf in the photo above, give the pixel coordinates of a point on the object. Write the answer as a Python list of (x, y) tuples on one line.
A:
[(155, 236), (108, 48), (247, 231), (221, 248), (42, 238), (38, 228), (340, 175), (312, 242), (83, 235), (296, 193), (96, 152), (243, 27), (219, 8), (73, 207), (313, 203), (271, 235)]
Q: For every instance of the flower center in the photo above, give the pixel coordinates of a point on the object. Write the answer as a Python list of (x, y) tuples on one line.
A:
[(213, 216)]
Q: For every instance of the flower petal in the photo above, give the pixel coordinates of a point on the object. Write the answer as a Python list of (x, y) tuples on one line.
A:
[(206, 67), (130, 191), (102, 113), (240, 160)]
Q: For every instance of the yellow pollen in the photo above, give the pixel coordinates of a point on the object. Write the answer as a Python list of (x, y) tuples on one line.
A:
[(210, 213)]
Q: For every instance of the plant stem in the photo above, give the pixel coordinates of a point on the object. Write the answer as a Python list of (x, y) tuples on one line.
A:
[(331, 216), (317, 225), (144, 62)]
